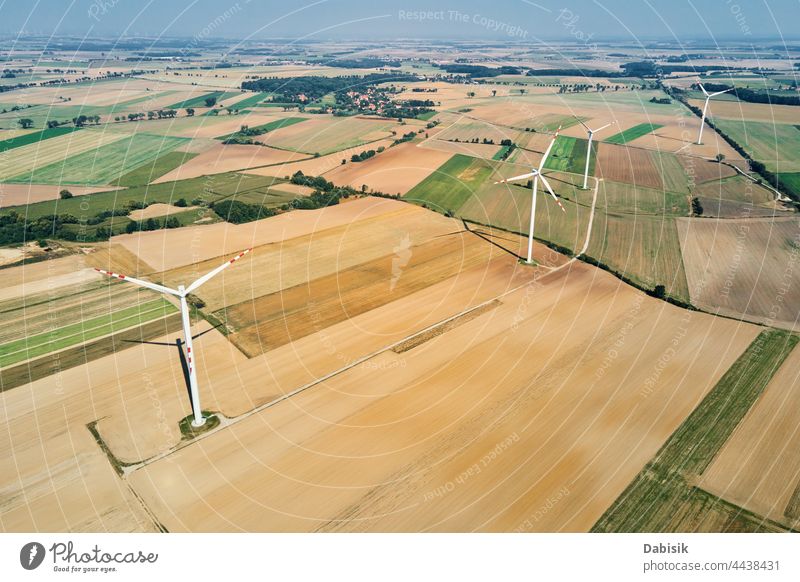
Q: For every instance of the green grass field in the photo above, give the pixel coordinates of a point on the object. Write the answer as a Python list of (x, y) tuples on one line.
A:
[(777, 145), (151, 171), (104, 164), (35, 137), (200, 101), (451, 184), (251, 101), (663, 496), (427, 115), (569, 155), (632, 133), (790, 181), (77, 333)]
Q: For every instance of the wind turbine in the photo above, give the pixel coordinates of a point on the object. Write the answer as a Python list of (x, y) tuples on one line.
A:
[(589, 147), (536, 174), (181, 292), (705, 108)]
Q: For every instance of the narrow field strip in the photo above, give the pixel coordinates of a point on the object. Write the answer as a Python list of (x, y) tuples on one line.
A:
[(662, 497), (632, 133), (63, 337), (35, 137)]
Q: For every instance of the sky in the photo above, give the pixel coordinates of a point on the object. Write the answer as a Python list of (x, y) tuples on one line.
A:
[(521, 20)]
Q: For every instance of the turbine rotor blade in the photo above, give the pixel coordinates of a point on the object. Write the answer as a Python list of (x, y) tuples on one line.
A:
[(515, 178), (547, 151), (721, 92), (553, 194), (216, 271), (703, 89), (605, 126), (148, 284), (582, 123)]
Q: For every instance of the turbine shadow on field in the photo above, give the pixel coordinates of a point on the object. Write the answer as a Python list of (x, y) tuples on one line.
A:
[(181, 354), (489, 237)]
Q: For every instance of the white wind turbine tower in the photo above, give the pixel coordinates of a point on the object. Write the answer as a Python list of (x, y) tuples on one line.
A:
[(536, 174), (705, 108), (181, 292), (589, 147)]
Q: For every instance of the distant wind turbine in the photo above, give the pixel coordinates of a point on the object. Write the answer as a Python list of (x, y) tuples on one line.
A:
[(181, 292), (705, 108), (589, 147), (536, 174)]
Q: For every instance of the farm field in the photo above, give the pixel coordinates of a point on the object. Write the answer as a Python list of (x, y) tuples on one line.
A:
[(200, 100), (26, 159), (736, 197), (23, 194), (384, 359), (475, 150), (325, 135), (737, 267), (449, 187), (338, 477), (104, 164), (627, 164), (758, 468), (230, 158), (644, 249), (33, 137), (662, 497), (468, 129), (632, 133), (774, 144), (395, 171)]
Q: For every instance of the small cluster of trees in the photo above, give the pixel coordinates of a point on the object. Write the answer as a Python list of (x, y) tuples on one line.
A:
[(365, 155), (82, 120), (151, 224), (160, 114)]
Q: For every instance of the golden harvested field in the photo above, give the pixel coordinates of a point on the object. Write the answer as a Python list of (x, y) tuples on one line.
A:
[(23, 159), (165, 250), (418, 449), (198, 126), (328, 134), (743, 267), (98, 93), (476, 150), (759, 466), (396, 170), (318, 166), (468, 129), (627, 164), (291, 261), (14, 194), (158, 209), (229, 158)]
